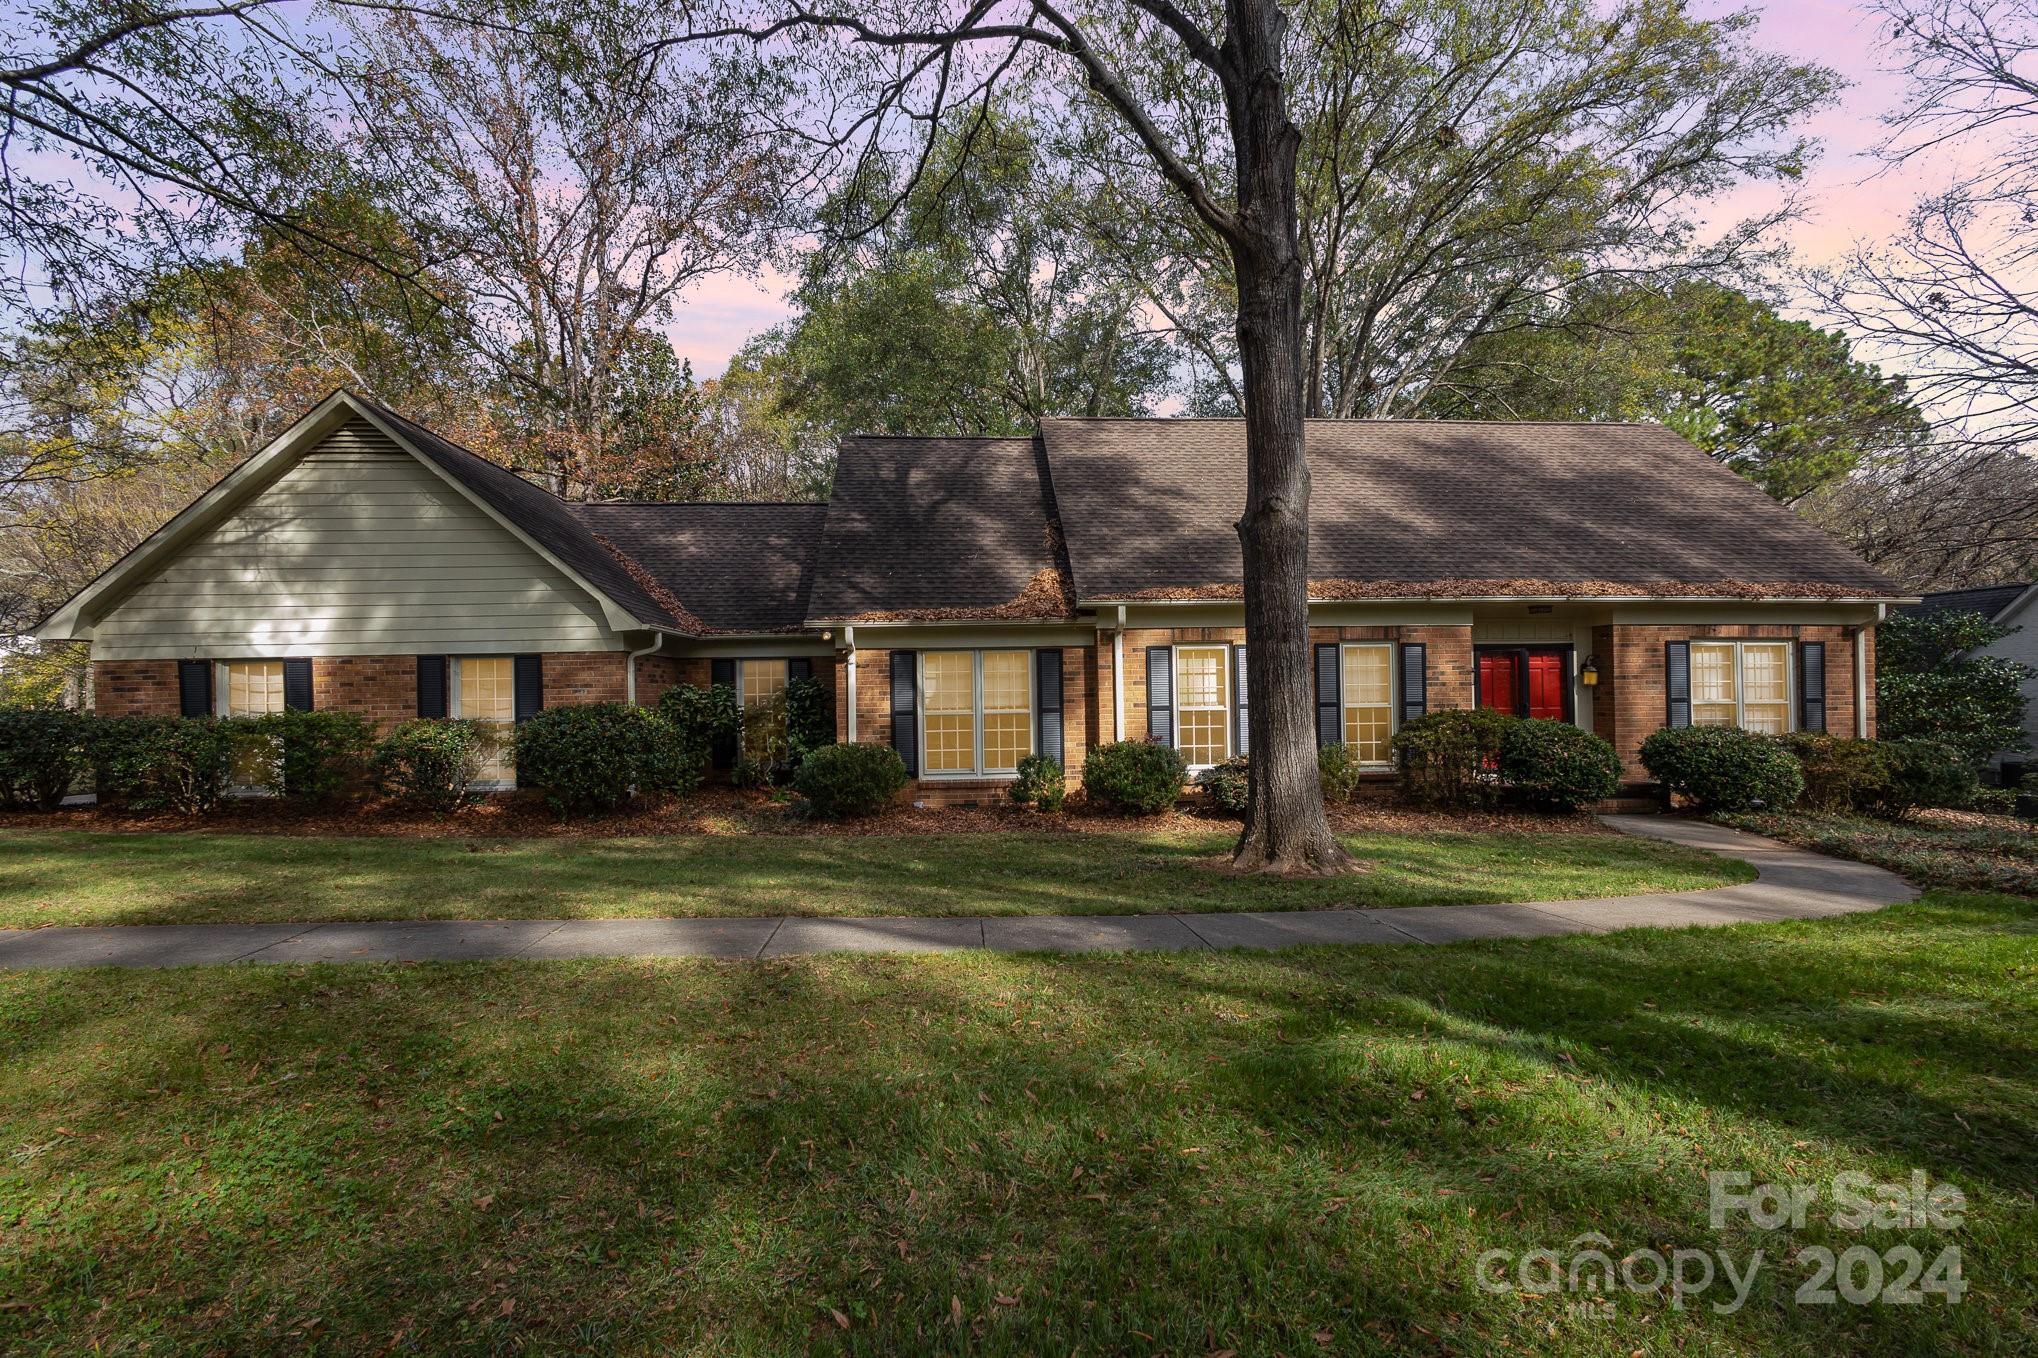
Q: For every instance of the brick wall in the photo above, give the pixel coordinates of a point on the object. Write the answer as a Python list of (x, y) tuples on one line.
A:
[(134, 688), (1632, 702), (573, 678), (381, 688)]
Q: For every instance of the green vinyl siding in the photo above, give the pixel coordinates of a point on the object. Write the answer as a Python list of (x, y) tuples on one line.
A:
[(357, 549)]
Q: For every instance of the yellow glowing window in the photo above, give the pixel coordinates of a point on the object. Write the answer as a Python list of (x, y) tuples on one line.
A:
[(487, 693), (1008, 709), (760, 683), (1714, 693), (1765, 687), (254, 688), (948, 701), (1203, 704), (1745, 684), (1368, 701)]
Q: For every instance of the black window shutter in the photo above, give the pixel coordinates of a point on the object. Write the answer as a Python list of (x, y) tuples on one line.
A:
[(1329, 695), (905, 710), (297, 685), (1160, 695), (1414, 679), (1811, 686), (1047, 701), (1238, 702), (722, 674), (799, 667), (1677, 682), (194, 688), (431, 686), (527, 675)]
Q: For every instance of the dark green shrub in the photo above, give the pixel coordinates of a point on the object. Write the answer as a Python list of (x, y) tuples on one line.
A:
[(168, 763), (1041, 783), (1555, 766), (317, 755), (1839, 774), (431, 763), (1449, 758), (700, 718), (1228, 785), (1134, 775), (756, 771), (1933, 683), (809, 718), (42, 752), (593, 757), (1339, 772), (850, 780), (1921, 773), (1723, 768)]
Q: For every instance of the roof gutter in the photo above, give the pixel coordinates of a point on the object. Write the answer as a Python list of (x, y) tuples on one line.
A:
[(1878, 599)]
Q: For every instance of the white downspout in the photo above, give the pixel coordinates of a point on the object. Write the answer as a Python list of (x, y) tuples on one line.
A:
[(849, 642), (1118, 678), (630, 668)]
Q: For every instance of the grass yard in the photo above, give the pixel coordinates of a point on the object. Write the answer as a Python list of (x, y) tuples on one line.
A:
[(1292, 1153), (83, 877)]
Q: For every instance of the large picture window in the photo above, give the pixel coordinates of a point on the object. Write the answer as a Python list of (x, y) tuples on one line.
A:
[(759, 686), (976, 711), (1203, 704), (1741, 683), (251, 688), (1368, 693), (484, 690)]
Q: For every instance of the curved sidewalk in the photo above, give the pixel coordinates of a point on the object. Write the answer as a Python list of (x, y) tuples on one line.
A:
[(1790, 884)]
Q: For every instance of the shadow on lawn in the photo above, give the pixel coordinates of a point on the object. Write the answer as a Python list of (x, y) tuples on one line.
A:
[(1117, 1154)]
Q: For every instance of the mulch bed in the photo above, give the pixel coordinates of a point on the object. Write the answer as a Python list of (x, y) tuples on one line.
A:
[(729, 811)]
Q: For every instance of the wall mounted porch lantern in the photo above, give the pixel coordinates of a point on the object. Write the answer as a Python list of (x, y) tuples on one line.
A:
[(1588, 673)]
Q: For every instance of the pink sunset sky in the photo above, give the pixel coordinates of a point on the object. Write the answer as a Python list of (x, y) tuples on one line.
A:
[(1846, 199)]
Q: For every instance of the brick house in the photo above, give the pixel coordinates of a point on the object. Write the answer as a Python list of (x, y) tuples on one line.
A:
[(974, 600)]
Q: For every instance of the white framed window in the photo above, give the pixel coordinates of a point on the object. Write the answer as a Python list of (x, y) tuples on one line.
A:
[(976, 712), (485, 690), (1366, 690), (1741, 683), (249, 688), (759, 683), (1203, 704)]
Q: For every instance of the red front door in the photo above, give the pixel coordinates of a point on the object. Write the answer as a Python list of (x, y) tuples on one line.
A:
[(1546, 685), (1500, 679)]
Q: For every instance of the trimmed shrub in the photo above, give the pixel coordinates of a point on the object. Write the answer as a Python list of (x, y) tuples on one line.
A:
[(1555, 766), (1135, 776), (1921, 773), (1338, 771), (1228, 784), (1449, 758), (317, 755), (431, 763), (595, 756), (1839, 774), (42, 752), (850, 780), (167, 763), (1724, 768), (809, 718), (700, 719), (1041, 783)]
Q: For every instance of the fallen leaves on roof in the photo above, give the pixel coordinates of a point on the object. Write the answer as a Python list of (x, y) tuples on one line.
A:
[(1046, 598), (1521, 588)]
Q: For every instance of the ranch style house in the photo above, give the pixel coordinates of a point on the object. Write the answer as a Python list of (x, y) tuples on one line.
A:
[(971, 601)]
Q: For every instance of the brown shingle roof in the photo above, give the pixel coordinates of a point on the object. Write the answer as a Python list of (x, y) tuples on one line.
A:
[(736, 567), (939, 528), (1425, 508)]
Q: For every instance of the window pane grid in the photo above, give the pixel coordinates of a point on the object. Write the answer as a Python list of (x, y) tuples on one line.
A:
[(254, 688), (1008, 708), (976, 710), (1368, 673), (1744, 684), (488, 693), (1203, 704)]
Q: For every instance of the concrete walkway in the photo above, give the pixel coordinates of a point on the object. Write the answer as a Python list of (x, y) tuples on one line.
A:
[(1791, 884)]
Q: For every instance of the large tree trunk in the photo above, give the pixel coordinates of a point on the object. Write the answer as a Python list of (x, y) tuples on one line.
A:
[(1285, 828)]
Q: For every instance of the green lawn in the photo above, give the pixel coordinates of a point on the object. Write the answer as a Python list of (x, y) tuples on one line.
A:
[(1293, 1153), (81, 877)]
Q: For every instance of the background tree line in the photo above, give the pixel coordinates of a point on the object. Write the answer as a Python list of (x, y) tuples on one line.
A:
[(489, 219)]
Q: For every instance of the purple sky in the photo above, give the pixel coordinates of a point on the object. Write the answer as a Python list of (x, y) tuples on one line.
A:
[(1847, 200)]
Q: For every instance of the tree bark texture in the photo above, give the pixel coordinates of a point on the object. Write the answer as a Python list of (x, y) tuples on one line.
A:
[(1285, 827)]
